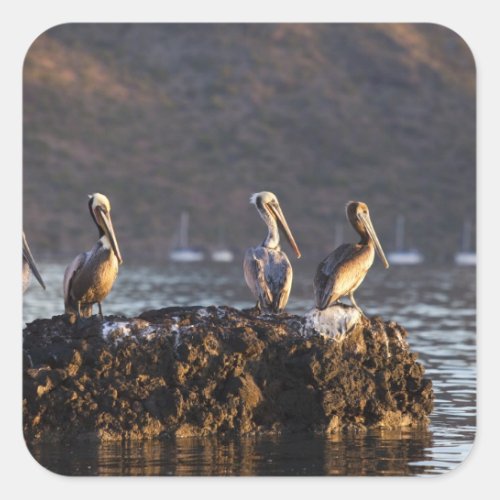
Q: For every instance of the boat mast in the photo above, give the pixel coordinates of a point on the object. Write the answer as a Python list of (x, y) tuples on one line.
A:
[(400, 233), (466, 236), (183, 233)]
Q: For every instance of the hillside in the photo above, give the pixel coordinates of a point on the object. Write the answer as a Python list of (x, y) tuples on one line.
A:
[(169, 117)]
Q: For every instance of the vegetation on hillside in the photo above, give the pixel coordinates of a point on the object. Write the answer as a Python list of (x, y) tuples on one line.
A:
[(170, 117)]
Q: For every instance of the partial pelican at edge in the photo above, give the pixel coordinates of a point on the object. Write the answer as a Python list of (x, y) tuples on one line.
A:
[(29, 266)]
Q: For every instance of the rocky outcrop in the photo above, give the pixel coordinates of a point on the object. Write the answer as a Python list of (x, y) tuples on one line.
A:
[(196, 371)]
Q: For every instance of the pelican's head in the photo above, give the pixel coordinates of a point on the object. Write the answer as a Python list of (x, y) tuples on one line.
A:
[(100, 209), (359, 216), (269, 208), (263, 198)]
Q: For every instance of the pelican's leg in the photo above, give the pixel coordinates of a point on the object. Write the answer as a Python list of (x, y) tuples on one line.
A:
[(100, 311), (73, 315), (86, 310), (257, 308), (351, 298), (78, 317)]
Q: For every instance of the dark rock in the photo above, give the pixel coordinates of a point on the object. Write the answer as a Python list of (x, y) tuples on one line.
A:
[(196, 371)]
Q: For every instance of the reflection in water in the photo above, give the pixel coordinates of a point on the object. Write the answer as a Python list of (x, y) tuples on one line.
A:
[(347, 454), (438, 308)]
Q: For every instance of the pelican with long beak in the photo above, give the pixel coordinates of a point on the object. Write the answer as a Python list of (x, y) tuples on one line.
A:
[(90, 277), (341, 273), (29, 266), (268, 272)]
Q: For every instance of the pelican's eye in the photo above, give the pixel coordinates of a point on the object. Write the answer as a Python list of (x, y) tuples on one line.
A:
[(100, 209)]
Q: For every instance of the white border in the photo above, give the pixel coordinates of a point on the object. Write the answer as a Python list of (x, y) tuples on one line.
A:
[(476, 22)]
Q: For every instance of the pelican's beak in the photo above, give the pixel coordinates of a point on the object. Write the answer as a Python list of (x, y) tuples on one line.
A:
[(31, 262), (276, 211), (365, 219), (107, 225)]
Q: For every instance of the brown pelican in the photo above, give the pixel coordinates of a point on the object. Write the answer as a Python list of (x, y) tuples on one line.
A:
[(341, 273), (90, 277), (29, 266), (268, 272)]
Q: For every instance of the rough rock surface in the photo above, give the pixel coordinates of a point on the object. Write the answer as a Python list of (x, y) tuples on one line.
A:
[(196, 371)]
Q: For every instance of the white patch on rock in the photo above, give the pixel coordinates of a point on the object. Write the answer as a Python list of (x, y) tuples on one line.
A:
[(221, 313), (331, 322), (202, 313), (177, 339), (176, 331), (147, 332), (118, 328)]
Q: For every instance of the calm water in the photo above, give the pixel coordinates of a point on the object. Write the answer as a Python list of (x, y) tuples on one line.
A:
[(436, 305)]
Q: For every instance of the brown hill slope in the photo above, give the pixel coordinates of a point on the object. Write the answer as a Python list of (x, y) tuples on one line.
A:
[(169, 117)]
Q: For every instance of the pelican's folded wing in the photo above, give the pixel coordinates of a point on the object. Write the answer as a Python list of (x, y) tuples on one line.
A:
[(254, 265), (69, 275), (330, 283), (279, 275)]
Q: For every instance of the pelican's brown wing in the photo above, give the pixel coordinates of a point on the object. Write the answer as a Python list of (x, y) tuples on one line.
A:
[(69, 275), (340, 273), (254, 264), (279, 276)]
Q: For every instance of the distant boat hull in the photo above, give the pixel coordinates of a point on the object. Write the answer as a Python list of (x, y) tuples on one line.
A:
[(222, 256), (408, 258), (186, 255), (465, 258), (400, 256)]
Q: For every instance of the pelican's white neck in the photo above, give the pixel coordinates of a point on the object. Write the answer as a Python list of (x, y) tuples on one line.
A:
[(106, 244), (273, 236)]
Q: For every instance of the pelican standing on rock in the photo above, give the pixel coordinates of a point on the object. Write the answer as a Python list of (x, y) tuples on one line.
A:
[(29, 266), (90, 277), (268, 272), (341, 273)]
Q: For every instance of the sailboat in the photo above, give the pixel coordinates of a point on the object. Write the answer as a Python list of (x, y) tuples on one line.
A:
[(400, 256), (466, 257), (182, 252), (222, 253)]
